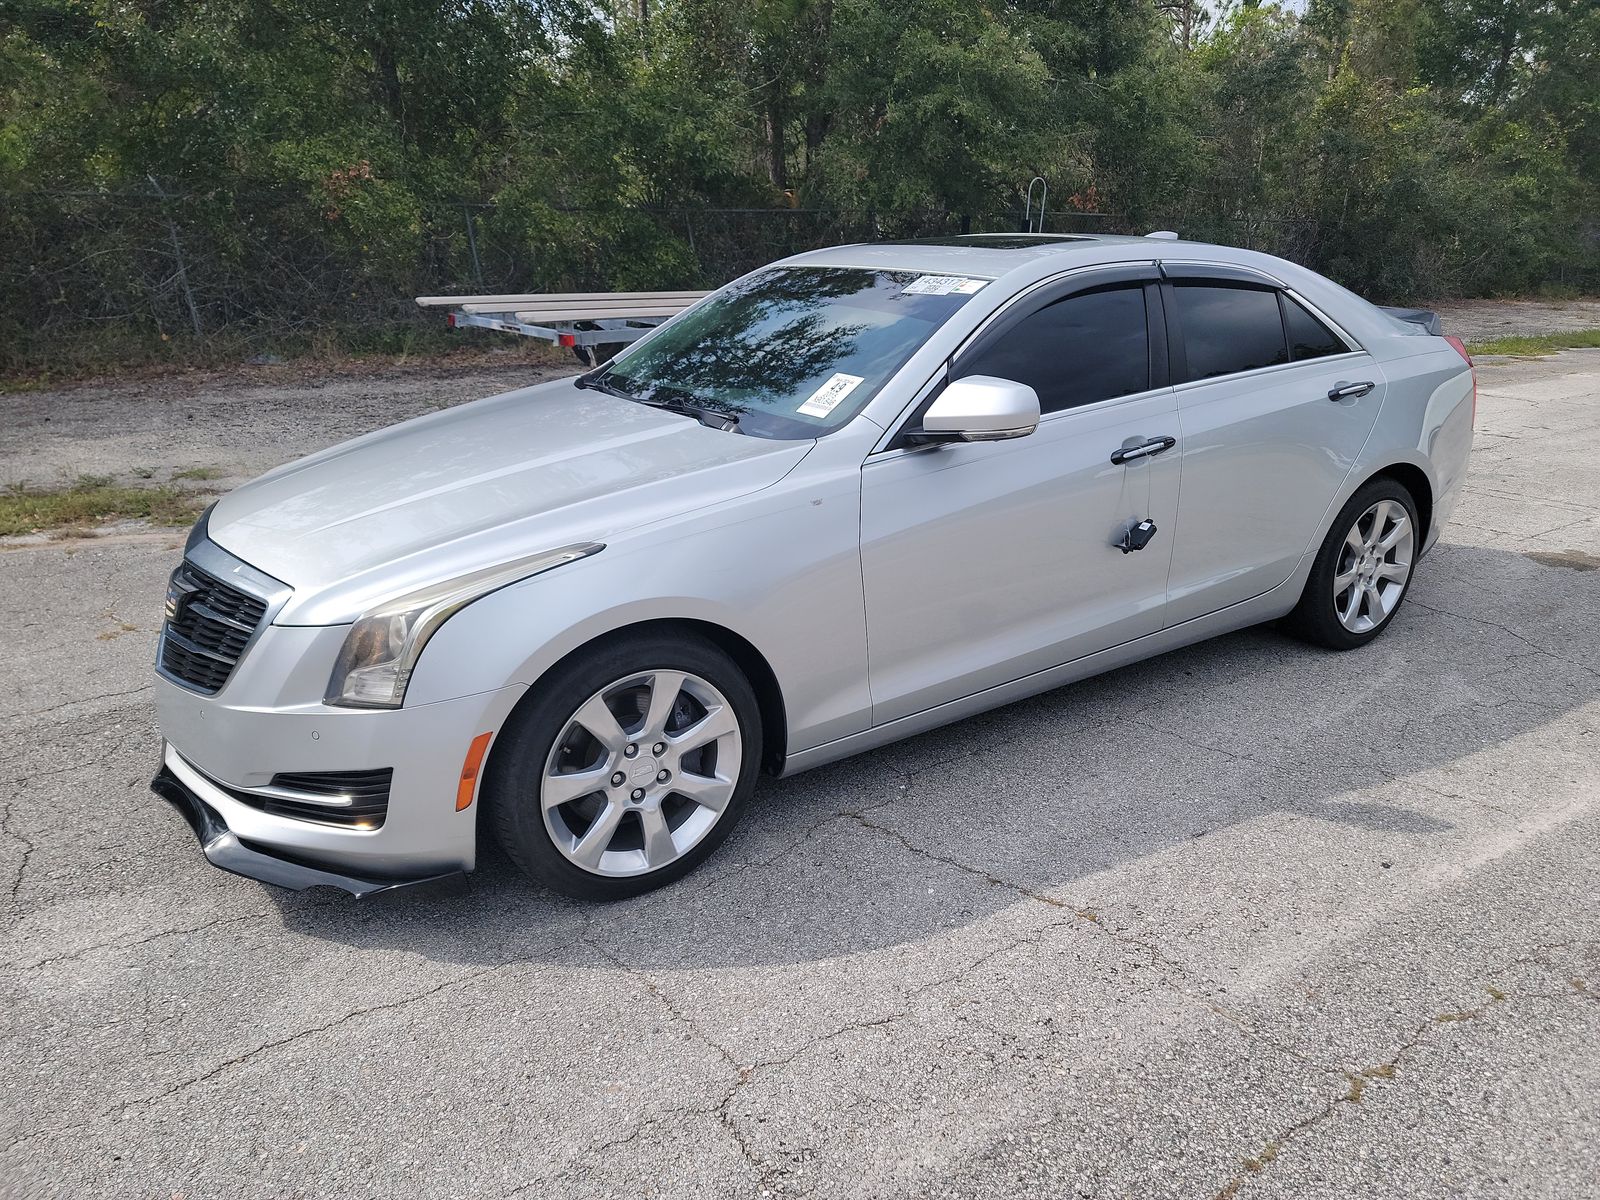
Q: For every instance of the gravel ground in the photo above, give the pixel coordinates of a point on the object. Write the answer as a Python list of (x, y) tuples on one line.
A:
[(1248, 920), (1480, 320), (237, 423)]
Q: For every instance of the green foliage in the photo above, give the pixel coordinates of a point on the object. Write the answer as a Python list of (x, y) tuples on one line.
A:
[(188, 181)]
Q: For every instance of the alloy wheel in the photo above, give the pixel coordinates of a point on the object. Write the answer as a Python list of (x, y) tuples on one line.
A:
[(641, 772), (1374, 566)]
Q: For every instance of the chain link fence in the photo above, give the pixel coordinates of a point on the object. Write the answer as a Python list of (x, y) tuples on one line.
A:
[(150, 273), (89, 279)]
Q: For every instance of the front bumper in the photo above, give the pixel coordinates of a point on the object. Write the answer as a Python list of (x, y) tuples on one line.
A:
[(240, 738), (223, 848)]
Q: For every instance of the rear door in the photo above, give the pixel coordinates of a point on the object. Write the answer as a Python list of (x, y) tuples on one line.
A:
[(989, 561), (1274, 405)]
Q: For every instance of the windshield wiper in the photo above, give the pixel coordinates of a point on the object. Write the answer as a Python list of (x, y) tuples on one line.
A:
[(597, 381), (715, 418)]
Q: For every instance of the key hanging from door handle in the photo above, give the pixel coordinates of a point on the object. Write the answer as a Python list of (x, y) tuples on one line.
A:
[(1344, 391), (1145, 450)]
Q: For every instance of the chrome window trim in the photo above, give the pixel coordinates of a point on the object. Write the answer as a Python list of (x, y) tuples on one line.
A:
[(1190, 385), (235, 572)]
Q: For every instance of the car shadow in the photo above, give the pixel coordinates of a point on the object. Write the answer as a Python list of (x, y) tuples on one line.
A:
[(1043, 796)]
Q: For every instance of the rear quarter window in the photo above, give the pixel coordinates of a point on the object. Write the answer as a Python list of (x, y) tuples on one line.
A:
[(1308, 337)]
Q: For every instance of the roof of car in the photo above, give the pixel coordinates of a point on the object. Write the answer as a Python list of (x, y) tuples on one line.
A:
[(986, 254)]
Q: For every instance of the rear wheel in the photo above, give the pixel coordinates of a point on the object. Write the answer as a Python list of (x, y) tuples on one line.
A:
[(628, 767), (1363, 569)]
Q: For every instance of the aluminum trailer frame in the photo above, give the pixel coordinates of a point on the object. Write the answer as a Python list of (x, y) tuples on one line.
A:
[(578, 320)]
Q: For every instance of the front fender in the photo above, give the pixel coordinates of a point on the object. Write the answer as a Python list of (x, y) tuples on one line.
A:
[(781, 570)]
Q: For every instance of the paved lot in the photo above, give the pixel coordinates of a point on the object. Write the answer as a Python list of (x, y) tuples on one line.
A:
[(1249, 920)]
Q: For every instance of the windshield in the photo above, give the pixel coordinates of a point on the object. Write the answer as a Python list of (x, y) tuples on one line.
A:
[(793, 352)]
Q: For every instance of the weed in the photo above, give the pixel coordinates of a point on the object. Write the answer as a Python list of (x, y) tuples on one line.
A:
[(91, 499), (1544, 343)]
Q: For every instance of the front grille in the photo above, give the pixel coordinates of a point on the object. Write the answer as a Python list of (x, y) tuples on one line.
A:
[(368, 792), (208, 625)]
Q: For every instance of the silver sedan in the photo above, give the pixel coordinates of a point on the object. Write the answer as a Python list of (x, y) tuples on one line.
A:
[(847, 498)]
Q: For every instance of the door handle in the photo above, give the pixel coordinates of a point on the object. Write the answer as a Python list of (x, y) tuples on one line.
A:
[(1153, 446), (1344, 391)]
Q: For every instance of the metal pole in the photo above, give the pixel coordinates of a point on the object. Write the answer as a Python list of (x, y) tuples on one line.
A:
[(472, 243)]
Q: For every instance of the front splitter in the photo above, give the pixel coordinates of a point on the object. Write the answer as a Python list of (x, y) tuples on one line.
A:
[(223, 849)]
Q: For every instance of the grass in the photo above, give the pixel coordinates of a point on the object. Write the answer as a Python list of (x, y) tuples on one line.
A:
[(89, 500), (200, 473), (1544, 343)]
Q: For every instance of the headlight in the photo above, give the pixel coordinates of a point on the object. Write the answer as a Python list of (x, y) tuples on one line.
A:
[(382, 647)]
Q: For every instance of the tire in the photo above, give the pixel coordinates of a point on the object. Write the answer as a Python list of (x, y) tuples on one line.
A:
[(709, 742), (1324, 614)]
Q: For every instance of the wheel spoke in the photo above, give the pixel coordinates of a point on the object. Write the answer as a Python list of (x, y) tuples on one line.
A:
[(708, 791), (564, 788), (1355, 540), (1402, 528), (602, 724), (718, 722), (664, 689), (658, 846), (1352, 606), (1340, 582), (1374, 604), (1380, 518), (586, 851), (1394, 571)]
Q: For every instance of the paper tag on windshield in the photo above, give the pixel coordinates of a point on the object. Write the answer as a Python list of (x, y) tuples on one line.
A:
[(943, 285), (826, 398)]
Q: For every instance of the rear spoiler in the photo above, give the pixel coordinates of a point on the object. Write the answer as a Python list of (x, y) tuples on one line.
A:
[(1429, 321)]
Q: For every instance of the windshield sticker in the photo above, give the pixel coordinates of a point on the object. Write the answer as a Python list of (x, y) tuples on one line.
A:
[(827, 397), (943, 285)]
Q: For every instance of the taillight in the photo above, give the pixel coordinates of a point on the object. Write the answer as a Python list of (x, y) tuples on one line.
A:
[(1461, 349)]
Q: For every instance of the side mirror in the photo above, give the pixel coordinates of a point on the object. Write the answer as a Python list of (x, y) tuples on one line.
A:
[(979, 408)]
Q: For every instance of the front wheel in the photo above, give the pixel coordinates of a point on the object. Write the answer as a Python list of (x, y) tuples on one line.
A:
[(627, 768), (1363, 569)]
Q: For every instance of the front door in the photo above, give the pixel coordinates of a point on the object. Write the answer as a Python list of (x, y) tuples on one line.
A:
[(986, 562)]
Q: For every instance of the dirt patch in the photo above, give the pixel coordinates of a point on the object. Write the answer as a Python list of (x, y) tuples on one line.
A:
[(1572, 560)]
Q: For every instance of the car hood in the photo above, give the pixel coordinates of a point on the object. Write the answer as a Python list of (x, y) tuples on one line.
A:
[(478, 485)]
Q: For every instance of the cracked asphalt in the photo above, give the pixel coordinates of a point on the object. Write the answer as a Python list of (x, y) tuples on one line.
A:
[(1249, 920)]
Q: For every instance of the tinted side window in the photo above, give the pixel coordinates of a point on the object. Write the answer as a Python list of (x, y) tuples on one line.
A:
[(1088, 347), (1228, 329), (1308, 337)]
